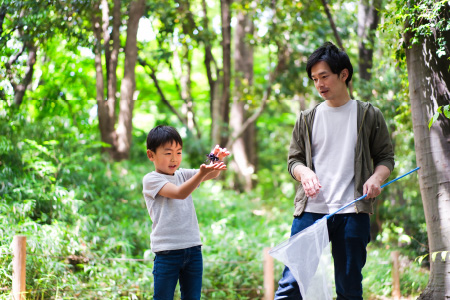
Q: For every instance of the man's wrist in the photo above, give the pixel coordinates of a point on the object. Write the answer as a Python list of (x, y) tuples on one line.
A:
[(378, 178), (298, 173)]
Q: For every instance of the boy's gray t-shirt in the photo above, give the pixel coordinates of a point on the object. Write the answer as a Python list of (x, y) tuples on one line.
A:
[(175, 224)]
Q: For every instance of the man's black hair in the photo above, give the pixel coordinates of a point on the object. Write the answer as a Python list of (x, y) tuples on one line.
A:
[(336, 58), (161, 135)]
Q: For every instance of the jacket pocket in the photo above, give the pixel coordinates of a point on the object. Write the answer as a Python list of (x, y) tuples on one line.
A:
[(300, 195)]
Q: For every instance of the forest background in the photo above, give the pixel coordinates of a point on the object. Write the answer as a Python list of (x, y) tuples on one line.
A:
[(83, 82)]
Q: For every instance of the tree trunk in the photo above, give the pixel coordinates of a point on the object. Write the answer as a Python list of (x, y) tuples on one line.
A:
[(185, 66), (429, 87), (243, 66), (301, 101), (19, 89), (210, 62), (209, 58), (332, 24), (99, 82), (216, 115), (106, 35), (3, 10), (223, 110), (284, 54), (186, 91), (114, 56), (128, 85), (368, 20), (120, 138), (105, 109), (337, 37)]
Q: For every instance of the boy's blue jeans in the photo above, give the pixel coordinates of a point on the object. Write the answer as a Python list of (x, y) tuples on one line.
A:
[(185, 265), (349, 235)]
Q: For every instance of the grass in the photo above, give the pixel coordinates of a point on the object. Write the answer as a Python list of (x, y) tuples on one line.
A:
[(377, 274)]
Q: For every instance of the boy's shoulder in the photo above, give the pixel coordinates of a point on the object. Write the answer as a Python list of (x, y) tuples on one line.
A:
[(152, 174), (155, 176), (180, 173)]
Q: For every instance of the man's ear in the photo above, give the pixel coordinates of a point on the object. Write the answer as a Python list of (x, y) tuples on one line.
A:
[(344, 74), (150, 154)]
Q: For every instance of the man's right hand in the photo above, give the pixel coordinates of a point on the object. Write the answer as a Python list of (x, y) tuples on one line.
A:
[(308, 179)]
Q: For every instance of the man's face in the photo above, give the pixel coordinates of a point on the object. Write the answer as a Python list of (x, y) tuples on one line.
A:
[(329, 85), (167, 158)]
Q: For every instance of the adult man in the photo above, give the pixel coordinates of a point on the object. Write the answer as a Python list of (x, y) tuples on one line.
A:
[(339, 150)]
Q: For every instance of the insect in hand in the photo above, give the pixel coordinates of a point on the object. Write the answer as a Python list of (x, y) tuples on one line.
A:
[(212, 158)]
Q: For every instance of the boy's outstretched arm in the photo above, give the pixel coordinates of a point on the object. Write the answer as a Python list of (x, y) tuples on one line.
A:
[(220, 153), (172, 191)]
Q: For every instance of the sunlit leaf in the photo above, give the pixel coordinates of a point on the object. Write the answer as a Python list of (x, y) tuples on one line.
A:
[(447, 111), (433, 119), (433, 255)]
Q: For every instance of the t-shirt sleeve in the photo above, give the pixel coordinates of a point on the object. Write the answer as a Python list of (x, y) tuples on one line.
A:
[(188, 173), (152, 184)]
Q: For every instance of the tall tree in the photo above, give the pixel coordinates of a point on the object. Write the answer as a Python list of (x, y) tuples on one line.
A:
[(177, 27), (337, 36), (188, 26), (243, 148), (221, 104), (429, 88), (118, 138), (368, 19), (212, 69)]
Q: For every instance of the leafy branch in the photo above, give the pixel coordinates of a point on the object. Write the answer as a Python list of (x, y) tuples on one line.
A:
[(443, 109), (423, 18), (433, 256)]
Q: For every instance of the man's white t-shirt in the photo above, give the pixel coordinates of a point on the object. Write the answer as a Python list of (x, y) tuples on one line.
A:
[(175, 224), (334, 137)]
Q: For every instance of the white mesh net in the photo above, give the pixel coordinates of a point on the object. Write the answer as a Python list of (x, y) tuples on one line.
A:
[(307, 255)]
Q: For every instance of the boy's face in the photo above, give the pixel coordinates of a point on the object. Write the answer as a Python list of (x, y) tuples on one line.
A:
[(167, 158)]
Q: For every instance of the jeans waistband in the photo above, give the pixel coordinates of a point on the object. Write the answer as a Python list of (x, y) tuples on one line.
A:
[(164, 252)]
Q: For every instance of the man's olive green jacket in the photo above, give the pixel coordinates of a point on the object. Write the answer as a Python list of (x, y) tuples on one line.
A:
[(373, 148)]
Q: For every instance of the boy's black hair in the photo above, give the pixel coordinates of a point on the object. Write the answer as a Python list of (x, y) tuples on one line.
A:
[(336, 58), (161, 135)]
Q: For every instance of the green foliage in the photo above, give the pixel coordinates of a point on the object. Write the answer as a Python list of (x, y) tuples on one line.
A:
[(422, 18), (78, 212), (41, 20), (378, 275), (81, 212), (27, 25), (233, 234), (444, 109), (48, 195), (66, 73)]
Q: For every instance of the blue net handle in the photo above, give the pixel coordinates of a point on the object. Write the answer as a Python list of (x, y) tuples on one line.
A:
[(365, 195)]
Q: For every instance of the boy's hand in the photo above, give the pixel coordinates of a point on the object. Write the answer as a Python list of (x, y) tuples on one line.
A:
[(218, 166), (220, 152), (215, 166)]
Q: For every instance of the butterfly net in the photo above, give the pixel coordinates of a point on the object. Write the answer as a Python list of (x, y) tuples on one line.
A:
[(307, 255)]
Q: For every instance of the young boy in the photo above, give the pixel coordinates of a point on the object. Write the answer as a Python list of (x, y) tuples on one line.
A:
[(175, 237)]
